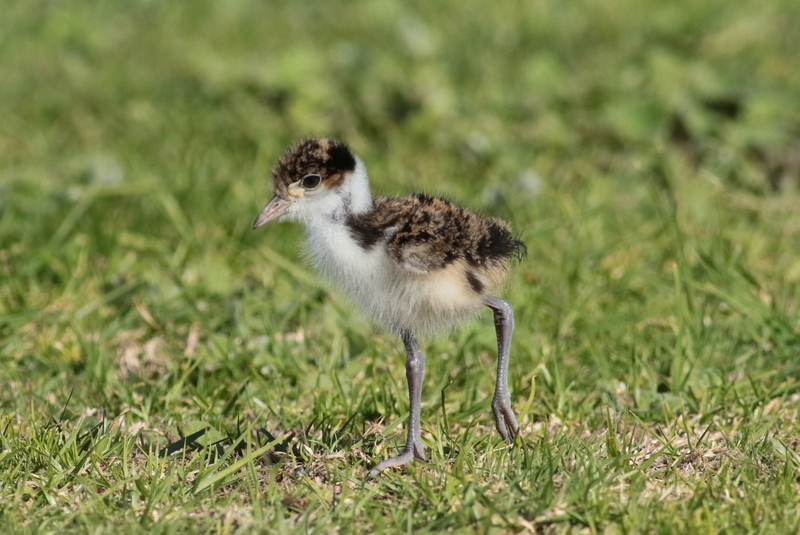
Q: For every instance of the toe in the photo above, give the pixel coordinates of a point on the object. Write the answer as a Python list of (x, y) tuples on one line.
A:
[(401, 460), (505, 419)]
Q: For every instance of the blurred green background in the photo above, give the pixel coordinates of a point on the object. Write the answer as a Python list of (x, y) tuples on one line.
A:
[(648, 152)]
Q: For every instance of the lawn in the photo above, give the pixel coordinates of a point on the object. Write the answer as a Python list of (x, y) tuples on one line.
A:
[(165, 369)]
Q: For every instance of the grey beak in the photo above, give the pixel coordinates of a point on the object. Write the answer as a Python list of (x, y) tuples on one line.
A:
[(274, 209)]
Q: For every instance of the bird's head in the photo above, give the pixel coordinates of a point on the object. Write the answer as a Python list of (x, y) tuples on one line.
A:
[(316, 180)]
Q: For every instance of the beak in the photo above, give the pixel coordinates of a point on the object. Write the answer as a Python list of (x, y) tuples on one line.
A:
[(274, 209)]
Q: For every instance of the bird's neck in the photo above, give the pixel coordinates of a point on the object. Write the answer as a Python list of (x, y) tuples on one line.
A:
[(352, 197), (358, 189)]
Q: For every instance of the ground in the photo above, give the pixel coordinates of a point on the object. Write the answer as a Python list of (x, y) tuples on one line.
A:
[(166, 369)]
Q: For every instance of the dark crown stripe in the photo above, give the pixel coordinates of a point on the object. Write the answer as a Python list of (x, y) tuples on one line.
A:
[(340, 157)]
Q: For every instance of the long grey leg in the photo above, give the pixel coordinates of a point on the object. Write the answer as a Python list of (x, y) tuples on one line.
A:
[(501, 404), (415, 373)]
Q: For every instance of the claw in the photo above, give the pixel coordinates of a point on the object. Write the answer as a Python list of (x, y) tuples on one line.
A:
[(410, 452)]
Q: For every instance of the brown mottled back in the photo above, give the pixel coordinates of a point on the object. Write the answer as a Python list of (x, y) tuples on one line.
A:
[(425, 233)]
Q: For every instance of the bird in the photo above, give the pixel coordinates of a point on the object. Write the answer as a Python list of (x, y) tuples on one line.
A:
[(418, 265)]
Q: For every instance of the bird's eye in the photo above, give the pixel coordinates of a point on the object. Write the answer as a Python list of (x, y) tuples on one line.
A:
[(311, 181)]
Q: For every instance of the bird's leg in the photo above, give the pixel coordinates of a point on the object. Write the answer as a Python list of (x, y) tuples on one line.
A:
[(415, 372), (501, 404)]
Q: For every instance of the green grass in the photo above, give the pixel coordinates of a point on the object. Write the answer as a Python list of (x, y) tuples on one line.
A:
[(647, 152)]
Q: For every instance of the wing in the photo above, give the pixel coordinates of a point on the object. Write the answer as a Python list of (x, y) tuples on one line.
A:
[(432, 234), (424, 234)]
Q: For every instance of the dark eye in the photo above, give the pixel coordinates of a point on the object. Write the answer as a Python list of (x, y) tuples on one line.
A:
[(311, 181)]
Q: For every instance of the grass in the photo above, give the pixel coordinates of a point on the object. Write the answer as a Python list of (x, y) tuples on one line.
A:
[(165, 369)]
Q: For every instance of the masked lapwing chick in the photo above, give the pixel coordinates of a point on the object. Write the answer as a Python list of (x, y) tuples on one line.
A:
[(416, 264)]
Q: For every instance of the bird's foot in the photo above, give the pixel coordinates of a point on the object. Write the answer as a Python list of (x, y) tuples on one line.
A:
[(505, 419), (413, 450)]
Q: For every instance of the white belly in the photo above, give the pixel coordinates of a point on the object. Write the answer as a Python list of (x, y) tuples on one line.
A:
[(394, 297)]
